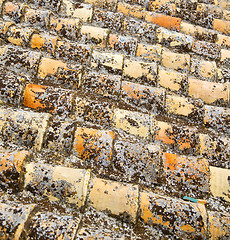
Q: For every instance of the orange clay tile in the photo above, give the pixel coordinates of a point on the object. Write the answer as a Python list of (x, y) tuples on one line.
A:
[(49, 66), (136, 11), (31, 91), (11, 166), (48, 99), (169, 22), (44, 42), (185, 173), (167, 212), (93, 144), (141, 95), (221, 26), (182, 138)]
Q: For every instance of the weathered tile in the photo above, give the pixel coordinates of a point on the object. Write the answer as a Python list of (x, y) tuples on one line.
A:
[(226, 15), (59, 136), (219, 182), (51, 226), (167, 212), (44, 42), (142, 30), (173, 39), (65, 27), (57, 72), (48, 99), (204, 69), (124, 44), (74, 51), (94, 35), (212, 9), (217, 117), (23, 60), (106, 85), (215, 149), (11, 168), (132, 122), (37, 18), (19, 36), (11, 87), (77, 10), (13, 10), (223, 40), (94, 111), (144, 72), (110, 20), (110, 5), (53, 5), (94, 147), (219, 225), (117, 198), (4, 27), (209, 92), (136, 162), (150, 98), (208, 34), (23, 128), (166, 21), (136, 11), (211, 50), (189, 108), (110, 61), (225, 57), (58, 183), (188, 28), (171, 79), (179, 138), (221, 26), (175, 61), (13, 218), (186, 175), (149, 52)]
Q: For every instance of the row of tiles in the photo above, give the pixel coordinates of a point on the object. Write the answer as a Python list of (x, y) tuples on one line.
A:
[(121, 159), (50, 224), (62, 101), (125, 44), (85, 12), (149, 72), (126, 201)]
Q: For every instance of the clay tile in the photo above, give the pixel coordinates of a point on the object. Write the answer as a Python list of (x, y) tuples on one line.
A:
[(13, 219), (44, 42), (91, 144), (37, 18), (48, 99), (167, 212), (12, 168), (19, 36), (58, 183), (117, 198), (52, 226)]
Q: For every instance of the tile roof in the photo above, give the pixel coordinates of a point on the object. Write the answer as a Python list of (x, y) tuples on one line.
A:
[(112, 114)]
